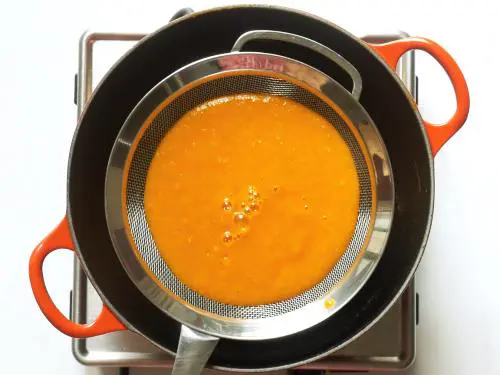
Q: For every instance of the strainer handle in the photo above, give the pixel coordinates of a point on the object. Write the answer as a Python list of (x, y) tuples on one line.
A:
[(60, 238), (307, 43), (193, 352), (438, 134)]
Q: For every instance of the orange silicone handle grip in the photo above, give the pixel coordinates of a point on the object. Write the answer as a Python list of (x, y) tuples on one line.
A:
[(60, 238), (438, 134)]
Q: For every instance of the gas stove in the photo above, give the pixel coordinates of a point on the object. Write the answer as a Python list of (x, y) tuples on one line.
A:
[(387, 346)]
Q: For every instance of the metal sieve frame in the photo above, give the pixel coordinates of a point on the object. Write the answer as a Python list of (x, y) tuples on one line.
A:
[(240, 327)]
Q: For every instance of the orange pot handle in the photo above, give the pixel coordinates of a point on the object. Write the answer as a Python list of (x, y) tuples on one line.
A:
[(60, 238), (438, 133)]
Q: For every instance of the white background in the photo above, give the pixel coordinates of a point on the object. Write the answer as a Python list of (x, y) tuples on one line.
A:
[(459, 331)]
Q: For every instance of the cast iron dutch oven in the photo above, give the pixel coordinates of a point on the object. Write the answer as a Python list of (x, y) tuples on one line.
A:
[(411, 143)]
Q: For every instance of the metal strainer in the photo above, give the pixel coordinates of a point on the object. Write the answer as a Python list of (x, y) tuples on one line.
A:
[(232, 74)]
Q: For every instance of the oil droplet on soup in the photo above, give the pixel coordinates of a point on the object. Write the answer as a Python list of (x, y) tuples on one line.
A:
[(329, 303), (227, 205), (251, 229)]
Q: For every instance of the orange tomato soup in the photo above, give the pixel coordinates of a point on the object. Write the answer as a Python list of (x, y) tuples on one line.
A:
[(252, 199)]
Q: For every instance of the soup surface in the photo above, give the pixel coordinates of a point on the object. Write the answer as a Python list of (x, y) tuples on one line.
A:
[(251, 199)]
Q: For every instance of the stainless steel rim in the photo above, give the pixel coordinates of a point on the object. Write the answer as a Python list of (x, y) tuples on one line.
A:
[(248, 329)]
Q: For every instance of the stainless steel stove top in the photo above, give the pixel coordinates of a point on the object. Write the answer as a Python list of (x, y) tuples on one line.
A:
[(388, 345)]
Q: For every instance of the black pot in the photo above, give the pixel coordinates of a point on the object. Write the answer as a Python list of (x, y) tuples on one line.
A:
[(410, 141)]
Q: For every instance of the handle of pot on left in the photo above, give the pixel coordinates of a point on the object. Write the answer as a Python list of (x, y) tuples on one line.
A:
[(60, 238), (193, 352), (307, 43)]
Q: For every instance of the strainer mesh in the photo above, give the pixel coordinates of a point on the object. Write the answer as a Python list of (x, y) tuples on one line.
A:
[(146, 148)]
